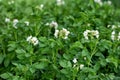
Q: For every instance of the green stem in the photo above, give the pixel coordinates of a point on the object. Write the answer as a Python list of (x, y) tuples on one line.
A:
[(15, 35), (93, 52)]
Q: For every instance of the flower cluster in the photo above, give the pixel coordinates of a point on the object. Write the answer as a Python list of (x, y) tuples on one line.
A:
[(113, 26), (11, 2), (52, 24), (81, 66), (60, 2), (114, 37), (62, 33), (91, 33), (33, 40), (101, 3)]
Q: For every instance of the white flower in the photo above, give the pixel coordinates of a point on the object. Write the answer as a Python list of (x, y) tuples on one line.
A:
[(47, 24), (92, 32), (27, 23), (11, 2), (40, 7), (108, 26), (85, 58), (113, 26), (33, 40), (54, 24), (29, 38), (109, 2), (81, 66), (86, 34), (56, 33), (64, 33), (74, 60), (98, 1), (15, 21), (118, 36), (60, 2), (7, 20), (88, 24), (95, 33), (113, 35)]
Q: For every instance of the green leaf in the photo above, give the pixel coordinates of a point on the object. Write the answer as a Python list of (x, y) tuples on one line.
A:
[(65, 64), (6, 62), (112, 60), (20, 51), (64, 71), (1, 58), (6, 75), (67, 56), (85, 52), (77, 44), (40, 65), (43, 39)]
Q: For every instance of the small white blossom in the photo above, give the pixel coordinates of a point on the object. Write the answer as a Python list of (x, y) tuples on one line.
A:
[(108, 26), (113, 35), (7, 20), (47, 24), (99, 2), (81, 66), (60, 2), (113, 27), (29, 38), (109, 2), (40, 7), (11, 2), (15, 21), (64, 33), (86, 34), (118, 36), (118, 26), (56, 33), (74, 60), (88, 24), (33, 40), (85, 58), (54, 24), (27, 23), (92, 32), (95, 33)]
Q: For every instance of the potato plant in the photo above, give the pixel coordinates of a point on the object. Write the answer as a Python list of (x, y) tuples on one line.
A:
[(59, 40)]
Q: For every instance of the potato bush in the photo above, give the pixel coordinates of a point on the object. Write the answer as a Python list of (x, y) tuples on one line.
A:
[(59, 40)]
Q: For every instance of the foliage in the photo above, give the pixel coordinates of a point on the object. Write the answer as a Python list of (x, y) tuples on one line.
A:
[(30, 48)]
